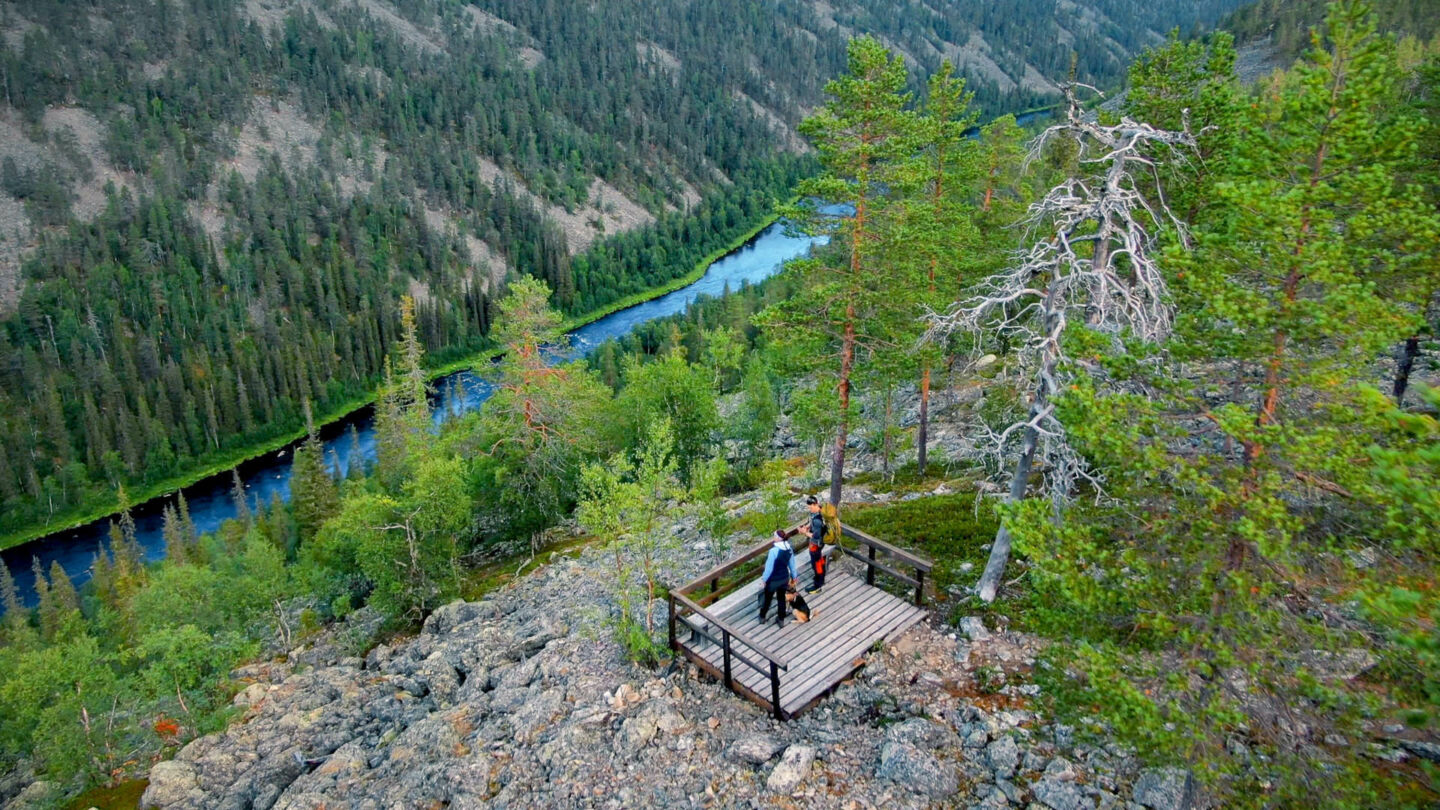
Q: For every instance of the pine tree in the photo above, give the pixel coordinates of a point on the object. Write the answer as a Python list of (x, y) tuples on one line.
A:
[(861, 134), (542, 422), (939, 229), (1295, 276), (1251, 450)]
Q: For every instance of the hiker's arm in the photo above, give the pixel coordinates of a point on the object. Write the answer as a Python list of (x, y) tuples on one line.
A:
[(769, 566)]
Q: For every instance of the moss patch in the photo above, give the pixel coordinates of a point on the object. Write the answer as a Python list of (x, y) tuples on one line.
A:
[(124, 796), (946, 528)]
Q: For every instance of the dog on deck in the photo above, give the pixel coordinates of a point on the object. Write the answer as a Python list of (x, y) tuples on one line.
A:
[(799, 608)]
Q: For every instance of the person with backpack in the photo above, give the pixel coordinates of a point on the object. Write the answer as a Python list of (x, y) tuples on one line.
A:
[(818, 552), (779, 575)]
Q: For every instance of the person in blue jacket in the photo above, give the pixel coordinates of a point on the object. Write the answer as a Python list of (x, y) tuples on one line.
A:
[(779, 575)]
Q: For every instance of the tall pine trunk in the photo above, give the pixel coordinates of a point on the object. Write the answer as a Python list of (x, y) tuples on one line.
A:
[(842, 436)]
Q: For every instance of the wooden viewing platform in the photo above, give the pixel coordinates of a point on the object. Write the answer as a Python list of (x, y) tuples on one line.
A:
[(787, 670)]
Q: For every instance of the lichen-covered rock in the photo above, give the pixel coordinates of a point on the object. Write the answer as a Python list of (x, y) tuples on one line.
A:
[(1003, 756), (924, 733), (756, 749), (520, 701), (1058, 795), (917, 770), (171, 783), (793, 769), (1165, 789)]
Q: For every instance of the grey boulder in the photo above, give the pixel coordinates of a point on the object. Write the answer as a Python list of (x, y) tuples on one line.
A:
[(1165, 789), (917, 770)]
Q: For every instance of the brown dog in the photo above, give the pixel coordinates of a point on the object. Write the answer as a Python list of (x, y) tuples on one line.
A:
[(798, 606)]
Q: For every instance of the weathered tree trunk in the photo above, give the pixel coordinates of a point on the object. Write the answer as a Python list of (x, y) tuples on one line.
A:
[(886, 444), (1408, 353), (990, 579), (1000, 549), (922, 433)]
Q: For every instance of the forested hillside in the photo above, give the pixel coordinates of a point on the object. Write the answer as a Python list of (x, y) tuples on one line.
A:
[(1155, 388), (1285, 25), (208, 210)]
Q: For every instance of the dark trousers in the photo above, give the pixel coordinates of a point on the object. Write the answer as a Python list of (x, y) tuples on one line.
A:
[(776, 591)]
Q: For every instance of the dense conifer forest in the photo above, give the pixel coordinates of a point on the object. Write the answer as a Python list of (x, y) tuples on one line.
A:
[(210, 210), (1189, 341)]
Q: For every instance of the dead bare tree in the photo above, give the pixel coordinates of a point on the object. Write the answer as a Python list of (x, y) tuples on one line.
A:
[(1090, 258)]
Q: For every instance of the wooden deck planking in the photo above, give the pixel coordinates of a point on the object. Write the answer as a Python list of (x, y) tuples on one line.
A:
[(824, 665), (841, 662), (850, 618)]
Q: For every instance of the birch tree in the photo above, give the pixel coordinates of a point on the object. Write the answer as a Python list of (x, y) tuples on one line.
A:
[(1091, 264)]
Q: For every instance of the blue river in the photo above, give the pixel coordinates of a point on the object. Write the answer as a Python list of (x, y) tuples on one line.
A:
[(268, 476)]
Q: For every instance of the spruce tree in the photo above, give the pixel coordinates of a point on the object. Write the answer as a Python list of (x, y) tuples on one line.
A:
[(176, 549), (64, 600), (18, 632), (239, 498), (102, 577), (314, 497)]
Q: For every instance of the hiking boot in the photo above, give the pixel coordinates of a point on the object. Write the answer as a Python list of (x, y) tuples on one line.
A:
[(813, 589)]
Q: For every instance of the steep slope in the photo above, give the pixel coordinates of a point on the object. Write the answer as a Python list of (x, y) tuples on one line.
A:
[(218, 205), (1270, 34), (515, 701)]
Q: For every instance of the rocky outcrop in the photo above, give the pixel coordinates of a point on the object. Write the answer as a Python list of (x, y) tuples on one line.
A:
[(524, 700)]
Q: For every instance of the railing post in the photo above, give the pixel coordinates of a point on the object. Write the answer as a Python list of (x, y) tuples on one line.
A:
[(714, 584), (870, 570), (670, 601), (775, 691), (919, 588), (725, 634)]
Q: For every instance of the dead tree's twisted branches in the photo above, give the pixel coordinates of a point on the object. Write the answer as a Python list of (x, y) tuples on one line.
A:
[(1090, 258)]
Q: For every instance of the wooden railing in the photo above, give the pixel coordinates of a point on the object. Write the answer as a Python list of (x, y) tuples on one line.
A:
[(771, 668), (688, 606), (683, 608), (900, 556)]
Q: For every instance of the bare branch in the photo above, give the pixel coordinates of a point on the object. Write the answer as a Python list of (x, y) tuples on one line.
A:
[(1090, 260)]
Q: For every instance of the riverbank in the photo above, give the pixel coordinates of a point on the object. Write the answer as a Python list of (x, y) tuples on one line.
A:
[(695, 274), (85, 515), (78, 518)]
